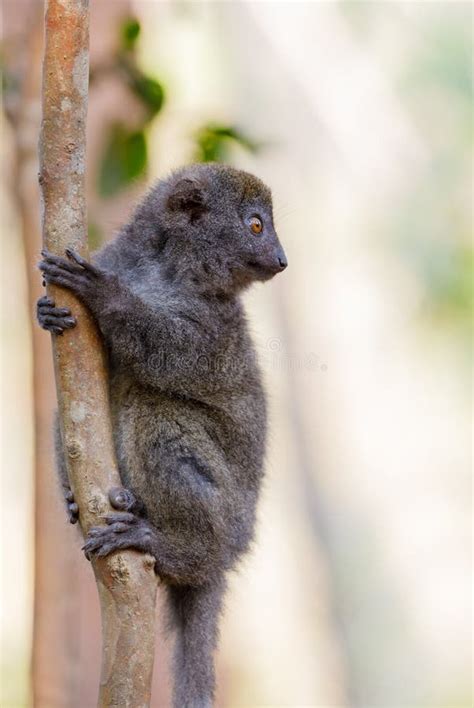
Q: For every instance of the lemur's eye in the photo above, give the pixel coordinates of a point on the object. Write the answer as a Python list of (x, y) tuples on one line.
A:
[(256, 225)]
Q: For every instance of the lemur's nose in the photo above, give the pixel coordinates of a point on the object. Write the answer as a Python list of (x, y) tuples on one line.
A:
[(282, 260)]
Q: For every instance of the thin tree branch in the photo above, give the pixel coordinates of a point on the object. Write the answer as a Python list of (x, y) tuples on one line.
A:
[(126, 581)]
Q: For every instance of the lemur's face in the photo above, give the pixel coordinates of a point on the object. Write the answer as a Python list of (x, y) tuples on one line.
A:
[(227, 217), (259, 254)]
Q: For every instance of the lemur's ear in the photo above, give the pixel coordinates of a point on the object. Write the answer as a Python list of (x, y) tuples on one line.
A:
[(188, 196)]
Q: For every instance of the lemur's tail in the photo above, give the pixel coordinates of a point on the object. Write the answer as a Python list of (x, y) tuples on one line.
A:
[(195, 616)]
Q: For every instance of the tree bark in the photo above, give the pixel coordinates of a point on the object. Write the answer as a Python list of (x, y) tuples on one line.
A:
[(126, 581)]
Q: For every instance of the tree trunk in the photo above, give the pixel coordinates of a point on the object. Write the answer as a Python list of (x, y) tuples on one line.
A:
[(126, 581)]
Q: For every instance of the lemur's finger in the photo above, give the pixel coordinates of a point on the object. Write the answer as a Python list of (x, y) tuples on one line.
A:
[(92, 543), (55, 312), (101, 531), (48, 308), (45, 301), (60, 262), (46, 267), (81, 261), (64, 322), (61, 276)]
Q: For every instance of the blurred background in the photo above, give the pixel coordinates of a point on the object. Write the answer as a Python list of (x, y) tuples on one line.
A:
[(359, 116)]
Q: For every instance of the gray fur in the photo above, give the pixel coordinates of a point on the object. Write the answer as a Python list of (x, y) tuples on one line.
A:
[(187, 402)]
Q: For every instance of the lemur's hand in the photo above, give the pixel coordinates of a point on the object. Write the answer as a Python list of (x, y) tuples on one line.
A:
[(85, 280), (52, 318)]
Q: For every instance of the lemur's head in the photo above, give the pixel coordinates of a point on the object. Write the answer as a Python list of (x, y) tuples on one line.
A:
[(216, 223)]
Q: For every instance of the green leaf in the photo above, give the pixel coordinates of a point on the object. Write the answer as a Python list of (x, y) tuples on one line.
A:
[(213, 142), (149, 91), (124, 160), (130, 32)]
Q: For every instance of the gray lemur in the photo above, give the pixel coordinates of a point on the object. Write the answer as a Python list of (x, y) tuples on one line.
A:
[(187, 403)]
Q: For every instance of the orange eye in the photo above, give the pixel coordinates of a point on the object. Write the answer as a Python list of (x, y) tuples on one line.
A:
[(256, 225)]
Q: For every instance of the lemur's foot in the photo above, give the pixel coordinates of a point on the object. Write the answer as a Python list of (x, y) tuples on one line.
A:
[(123, 530), (54, 319), (71, 506)]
